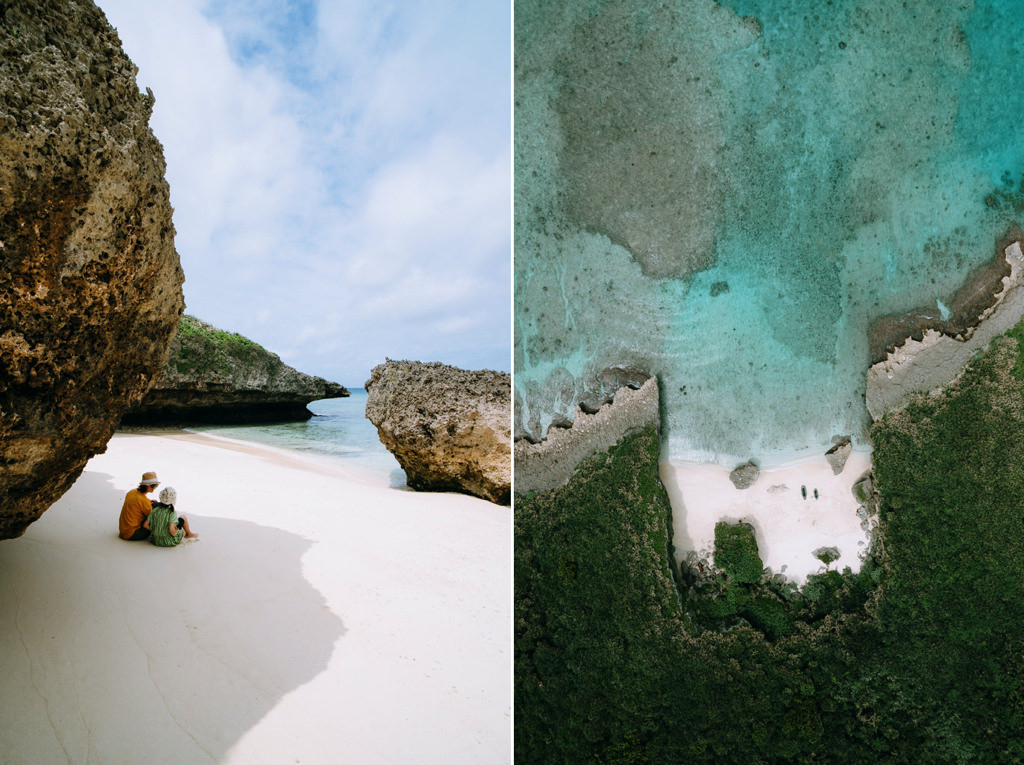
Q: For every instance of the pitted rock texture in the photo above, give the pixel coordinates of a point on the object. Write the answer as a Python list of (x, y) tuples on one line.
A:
[(839, 453), (449, 429), (550, 463), (743, 476), (968, 307), (214, 376), (934, 361), (90, 283)]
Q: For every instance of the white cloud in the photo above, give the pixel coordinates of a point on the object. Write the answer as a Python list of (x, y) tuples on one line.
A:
[(345, 198)]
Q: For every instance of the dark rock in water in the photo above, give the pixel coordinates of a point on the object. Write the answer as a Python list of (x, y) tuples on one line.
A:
[(743, 476), (448, 428), (966, 309), (90, 283), (214, 376), (719, 288), (608, 383), (839, 453)]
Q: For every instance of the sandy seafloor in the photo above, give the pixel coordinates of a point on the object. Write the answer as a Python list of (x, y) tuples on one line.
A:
[(323, 616)]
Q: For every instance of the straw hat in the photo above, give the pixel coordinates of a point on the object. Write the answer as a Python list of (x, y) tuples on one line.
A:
[(150, 478)]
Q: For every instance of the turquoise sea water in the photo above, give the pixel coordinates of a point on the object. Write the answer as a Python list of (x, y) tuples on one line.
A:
[(338, 430), (728, 194)]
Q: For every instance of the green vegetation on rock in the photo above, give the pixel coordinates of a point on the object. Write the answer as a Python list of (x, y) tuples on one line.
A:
[(203, 350), (917, 658), (736, 552)]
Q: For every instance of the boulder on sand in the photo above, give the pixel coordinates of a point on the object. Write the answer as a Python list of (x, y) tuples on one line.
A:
[(90, 284), (449, 428), (839, 453), (743, 476)]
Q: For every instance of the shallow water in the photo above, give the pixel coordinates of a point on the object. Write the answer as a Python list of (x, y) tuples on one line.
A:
[(338, 430), (728, 195)]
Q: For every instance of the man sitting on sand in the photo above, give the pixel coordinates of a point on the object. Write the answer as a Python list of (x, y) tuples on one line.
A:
[(133, 524), (166, 526)]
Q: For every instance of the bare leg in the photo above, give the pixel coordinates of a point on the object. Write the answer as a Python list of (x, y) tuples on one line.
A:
[(188, 531)]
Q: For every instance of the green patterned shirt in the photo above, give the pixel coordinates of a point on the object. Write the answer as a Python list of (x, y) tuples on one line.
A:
[(161, 517)]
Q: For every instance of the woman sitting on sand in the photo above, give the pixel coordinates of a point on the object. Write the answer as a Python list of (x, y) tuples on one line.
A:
[(166, 525)]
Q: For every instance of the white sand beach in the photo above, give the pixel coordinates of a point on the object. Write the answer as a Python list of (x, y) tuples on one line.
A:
[(788, 527), (319, 618)]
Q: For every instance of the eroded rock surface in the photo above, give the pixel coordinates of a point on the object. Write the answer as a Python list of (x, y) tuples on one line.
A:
[(449, 428), (839, 453), (969, 306), (214, 376), (90, 283), (743, 476), (936, 359), (550, 463)]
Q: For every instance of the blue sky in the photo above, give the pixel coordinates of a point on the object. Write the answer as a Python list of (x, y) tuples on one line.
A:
[(340, 172)]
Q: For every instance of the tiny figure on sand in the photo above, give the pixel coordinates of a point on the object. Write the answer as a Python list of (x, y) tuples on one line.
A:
[(139, 514)]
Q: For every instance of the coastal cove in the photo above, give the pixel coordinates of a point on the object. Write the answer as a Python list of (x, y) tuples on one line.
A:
[(318, 601), (915, 658), (209, 555)]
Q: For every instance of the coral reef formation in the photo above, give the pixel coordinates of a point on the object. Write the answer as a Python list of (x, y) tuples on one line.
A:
[(90, 283), (728, 195), (449, 428), (214, 376)]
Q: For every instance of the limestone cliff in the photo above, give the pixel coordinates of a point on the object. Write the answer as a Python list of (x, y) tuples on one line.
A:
[(220, 377), (935, 357), (550, 464), (449, 429), (90, 283)]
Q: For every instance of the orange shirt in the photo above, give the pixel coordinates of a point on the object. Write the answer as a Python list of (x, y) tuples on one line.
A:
[(134, 511)]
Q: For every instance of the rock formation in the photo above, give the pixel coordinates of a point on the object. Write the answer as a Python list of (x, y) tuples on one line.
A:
[(743, 476), (550, 463), (607, 384), (975, 300), (863, 488), (214, 376), (839, 453), (449, 428), (90, 284), (936, 359)]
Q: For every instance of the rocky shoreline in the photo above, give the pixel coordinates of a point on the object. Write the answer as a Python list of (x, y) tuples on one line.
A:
[(934, 359), (978, 295), (550, 463)]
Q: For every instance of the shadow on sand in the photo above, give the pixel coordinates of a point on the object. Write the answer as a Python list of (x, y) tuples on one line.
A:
[(114, 651)]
